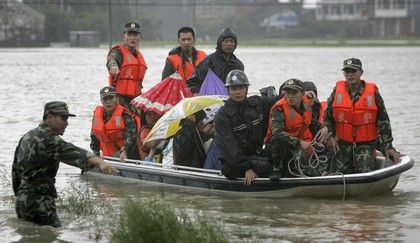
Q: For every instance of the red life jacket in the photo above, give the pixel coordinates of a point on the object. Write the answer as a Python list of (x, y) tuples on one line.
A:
[(355, 122), (321, 111), (111, 134), (186, 69), (130, 78), (295, 125)]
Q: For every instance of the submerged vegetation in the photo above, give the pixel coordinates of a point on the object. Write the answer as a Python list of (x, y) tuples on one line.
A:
[(156, 221), (129, 220)]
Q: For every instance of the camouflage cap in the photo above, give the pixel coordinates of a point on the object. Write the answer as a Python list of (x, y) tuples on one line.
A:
[(107, 91), (132, 26), (57, 107), (294, 84), (352, 63)]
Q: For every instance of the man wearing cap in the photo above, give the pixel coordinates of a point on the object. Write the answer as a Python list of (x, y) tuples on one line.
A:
[(241, 125), (127, 66), (221, 62), (36, 163), (356, 117), (114, 128), (291, 129), (183, 58)]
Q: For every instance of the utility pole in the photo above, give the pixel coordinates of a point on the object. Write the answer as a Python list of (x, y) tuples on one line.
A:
[(137, 11), (109, 24), (193, 13), (6, 22)]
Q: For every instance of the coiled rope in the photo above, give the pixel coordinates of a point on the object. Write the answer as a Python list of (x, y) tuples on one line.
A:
[(316, 160)]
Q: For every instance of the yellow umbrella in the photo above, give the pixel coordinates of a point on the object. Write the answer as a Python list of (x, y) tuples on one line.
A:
[(169, 124)]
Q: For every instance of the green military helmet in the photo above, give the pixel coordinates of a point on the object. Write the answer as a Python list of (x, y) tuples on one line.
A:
[(236, 77)]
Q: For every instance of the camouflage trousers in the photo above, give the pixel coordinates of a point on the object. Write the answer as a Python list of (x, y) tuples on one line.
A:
[(293, 161), (37, 208), (354, 158)]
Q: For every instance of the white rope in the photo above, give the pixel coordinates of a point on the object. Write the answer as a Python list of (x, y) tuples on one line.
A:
[(314, 162)]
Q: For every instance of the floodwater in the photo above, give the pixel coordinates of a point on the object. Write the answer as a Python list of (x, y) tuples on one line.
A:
[(32, 77)]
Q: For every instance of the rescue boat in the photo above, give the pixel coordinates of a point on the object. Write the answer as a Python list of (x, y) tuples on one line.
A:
[(378, 182)]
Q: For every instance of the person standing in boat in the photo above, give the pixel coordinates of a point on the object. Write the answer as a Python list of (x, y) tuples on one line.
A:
[(183, 58), (127, 66), (36, 162), (292, 126), (241, 125), (221, 62), (114, 128), (355, 117)]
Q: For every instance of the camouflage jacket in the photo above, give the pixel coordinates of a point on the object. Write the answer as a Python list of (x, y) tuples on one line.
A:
[(130, 134), (383, 124), (37, 159), (115, 57), (279, 135)]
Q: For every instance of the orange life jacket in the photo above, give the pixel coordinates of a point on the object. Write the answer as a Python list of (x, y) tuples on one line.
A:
[(185, 69), (321, 111), (111, 134), (295, 125), (130, 78), (355, 122)]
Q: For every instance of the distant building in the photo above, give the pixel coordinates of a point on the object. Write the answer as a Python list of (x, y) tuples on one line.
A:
[(342, 10), (21, 25), (393, 18), (374, 18)]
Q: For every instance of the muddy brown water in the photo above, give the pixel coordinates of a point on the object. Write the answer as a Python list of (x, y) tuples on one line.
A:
[(31, 77)]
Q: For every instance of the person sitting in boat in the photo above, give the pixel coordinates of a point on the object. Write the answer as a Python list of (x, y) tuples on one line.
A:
[(241, 125), (114, 128), (183, 58), (151, 150), (354, 118), (127, 66), (188, 144), (221, 62), (292, 127), (317, 106)]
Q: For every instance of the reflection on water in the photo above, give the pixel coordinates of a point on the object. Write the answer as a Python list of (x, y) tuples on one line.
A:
[(31, 77)]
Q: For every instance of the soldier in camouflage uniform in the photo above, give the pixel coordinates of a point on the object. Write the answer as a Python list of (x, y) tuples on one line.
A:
[(357, 155), (109, 116), (287, 142), (127, 66), (36, 162)]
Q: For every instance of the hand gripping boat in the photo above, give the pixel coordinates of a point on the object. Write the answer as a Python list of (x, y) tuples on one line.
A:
[(381, 181)]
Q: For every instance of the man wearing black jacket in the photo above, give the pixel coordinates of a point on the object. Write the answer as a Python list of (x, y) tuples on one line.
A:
[(241, 125), (221, 62)]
